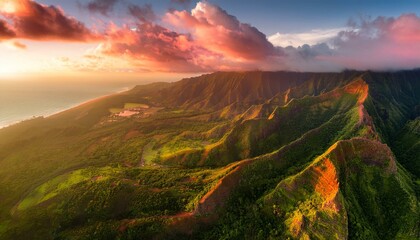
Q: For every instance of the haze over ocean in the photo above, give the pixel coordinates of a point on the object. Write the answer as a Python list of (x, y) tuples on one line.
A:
[(21, 100)]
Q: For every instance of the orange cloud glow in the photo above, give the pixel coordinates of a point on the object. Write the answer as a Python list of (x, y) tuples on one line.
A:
[(8, 6), (220, 32), (214, 40), (32, 20), (5, 31), (203, 39)]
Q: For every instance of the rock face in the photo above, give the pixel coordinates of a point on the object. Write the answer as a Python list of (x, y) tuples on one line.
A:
[(219, 194)]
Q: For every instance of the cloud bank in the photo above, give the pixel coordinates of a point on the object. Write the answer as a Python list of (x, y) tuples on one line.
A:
[(214, 40), (207, 38), (313, 37), (379, 44)]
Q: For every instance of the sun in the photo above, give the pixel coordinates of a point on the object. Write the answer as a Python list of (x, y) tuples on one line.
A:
[(8, 6), (7, 71), (12, 66)]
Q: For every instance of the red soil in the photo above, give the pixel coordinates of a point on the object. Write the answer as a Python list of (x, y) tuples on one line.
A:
[(205, 211), (327, 184), (217, 196), (359, 87)]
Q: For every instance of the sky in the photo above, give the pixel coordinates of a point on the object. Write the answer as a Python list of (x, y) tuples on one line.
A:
[(184, 37)]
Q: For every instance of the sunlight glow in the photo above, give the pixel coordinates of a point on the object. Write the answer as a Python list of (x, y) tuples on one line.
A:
[(8, 6), (7, 71)]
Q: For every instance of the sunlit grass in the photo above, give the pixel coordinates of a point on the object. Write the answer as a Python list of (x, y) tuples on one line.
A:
[(53, 187)]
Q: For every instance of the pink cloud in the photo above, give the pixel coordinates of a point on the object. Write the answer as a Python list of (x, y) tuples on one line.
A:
[(222, 33), (36, 21), (379, 44), (214, 40), (161, 48), (207, 38)]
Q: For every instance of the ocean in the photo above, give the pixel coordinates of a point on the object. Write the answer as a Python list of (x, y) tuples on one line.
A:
[(24, 99)]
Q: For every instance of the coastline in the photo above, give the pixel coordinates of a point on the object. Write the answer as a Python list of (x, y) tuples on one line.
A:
[(87, 101), (121, 90)]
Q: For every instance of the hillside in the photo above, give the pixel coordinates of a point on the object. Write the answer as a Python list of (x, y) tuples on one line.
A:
[(227, 155)]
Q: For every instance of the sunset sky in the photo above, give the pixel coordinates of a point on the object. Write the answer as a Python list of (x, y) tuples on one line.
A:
[(108, 37)]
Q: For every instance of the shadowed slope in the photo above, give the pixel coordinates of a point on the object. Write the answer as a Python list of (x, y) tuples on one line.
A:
[(220, 89)]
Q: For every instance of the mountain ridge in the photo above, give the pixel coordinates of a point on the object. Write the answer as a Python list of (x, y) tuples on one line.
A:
[(201, 155)]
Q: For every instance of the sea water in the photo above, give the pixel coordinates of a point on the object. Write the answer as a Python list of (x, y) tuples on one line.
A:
[(24, 99)]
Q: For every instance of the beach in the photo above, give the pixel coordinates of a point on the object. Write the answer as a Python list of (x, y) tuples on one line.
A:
[(22, 100)]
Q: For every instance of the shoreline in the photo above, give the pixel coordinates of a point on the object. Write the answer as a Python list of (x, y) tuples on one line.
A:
[(125, 89)]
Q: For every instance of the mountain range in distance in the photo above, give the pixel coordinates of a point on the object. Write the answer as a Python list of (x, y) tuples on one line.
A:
[(226, 155)]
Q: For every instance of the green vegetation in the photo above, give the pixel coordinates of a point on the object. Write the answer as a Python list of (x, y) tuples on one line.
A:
[(128, 106), (239, 163), (407, 147), (53, 187)]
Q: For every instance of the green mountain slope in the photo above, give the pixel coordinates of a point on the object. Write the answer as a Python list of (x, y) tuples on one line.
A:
[(251, 155), (407, 146), (352, 188)]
